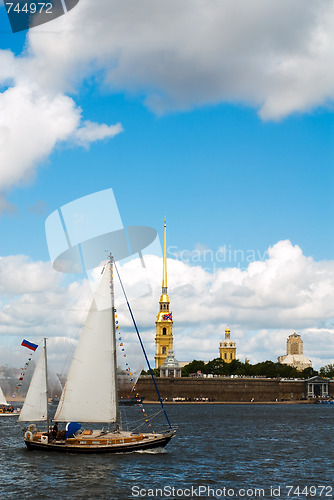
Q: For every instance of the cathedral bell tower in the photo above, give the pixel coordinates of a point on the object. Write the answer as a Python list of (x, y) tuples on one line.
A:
[(164, 322), (227, 348)]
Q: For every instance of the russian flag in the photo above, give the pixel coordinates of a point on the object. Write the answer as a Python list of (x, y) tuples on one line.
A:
[(30, 345)]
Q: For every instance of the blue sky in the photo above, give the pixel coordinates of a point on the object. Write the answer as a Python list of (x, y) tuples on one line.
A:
[(219, 174), (227, 132)]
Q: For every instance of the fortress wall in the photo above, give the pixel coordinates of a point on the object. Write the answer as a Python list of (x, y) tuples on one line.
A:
[(225, 389)]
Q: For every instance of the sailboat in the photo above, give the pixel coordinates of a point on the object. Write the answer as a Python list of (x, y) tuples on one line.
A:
[(6, 410), (90, 393)]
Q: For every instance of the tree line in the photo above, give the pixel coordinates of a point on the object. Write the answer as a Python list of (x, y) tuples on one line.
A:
[(267, 369)]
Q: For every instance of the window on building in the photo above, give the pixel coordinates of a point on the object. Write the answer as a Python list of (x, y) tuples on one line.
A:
[(164, 349), (225, 355), (231, 356), (164, 331)]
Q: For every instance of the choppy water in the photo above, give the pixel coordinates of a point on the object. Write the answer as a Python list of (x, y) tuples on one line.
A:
[(238, 447)]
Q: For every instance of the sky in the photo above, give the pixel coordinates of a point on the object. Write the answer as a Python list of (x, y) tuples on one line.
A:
[(216, 115)]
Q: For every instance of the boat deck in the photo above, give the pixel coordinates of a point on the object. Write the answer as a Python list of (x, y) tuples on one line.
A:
[(97, 437)]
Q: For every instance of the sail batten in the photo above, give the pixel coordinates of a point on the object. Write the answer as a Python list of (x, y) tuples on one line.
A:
[(89, 394), (35, 405)]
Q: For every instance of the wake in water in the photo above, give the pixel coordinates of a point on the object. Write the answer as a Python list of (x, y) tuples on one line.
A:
[(154, 451)]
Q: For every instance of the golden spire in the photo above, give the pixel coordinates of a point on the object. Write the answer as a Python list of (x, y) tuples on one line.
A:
[(164, 273), (164, 322)]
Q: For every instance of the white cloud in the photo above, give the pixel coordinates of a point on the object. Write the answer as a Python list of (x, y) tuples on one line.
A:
[(19, 275), (275, 56), (91, 132), (263, 305), (33, 120), (31, 124), (37, 302)]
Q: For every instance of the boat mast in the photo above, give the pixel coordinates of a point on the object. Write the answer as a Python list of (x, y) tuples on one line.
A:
[(113, 340), (47, 390)]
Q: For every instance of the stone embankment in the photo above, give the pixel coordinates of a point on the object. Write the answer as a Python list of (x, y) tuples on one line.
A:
[(238, 390)]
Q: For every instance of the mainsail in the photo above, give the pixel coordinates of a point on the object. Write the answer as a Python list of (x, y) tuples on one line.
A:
[(2, 398), (35, 404), (90, 394)]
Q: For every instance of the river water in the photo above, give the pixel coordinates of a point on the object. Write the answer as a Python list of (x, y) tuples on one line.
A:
[(220, 451)]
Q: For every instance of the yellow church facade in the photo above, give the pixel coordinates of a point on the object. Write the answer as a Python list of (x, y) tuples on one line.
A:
[(227, 348), (164, 322)]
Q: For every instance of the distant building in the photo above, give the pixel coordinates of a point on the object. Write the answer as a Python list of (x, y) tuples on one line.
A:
[(317, 387), (164, 322), (170, 367), (227, 348), (294, 354)]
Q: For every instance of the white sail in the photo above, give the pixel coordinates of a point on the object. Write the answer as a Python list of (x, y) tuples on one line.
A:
[(2, 398), (35, 404), (89, 394)]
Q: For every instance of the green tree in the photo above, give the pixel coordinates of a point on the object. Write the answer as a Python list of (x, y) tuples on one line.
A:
[(265, 369), (327, 371), (309, 372), (235, 367), (192, 367), (156, 372), (216, 366), (286, 371), (268, 369)]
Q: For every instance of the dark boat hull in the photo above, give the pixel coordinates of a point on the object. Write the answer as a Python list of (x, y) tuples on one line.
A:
[(130, 401), (114, 448)]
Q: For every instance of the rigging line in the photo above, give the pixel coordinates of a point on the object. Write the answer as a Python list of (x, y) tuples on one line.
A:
[(150, 417), (143, 423), (138, 426), (143, 348)]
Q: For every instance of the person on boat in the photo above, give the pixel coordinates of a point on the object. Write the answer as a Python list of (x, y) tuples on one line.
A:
[(55, 431)]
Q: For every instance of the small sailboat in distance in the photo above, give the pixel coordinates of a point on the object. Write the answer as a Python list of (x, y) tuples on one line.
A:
[(6, 409), (90, 393)]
